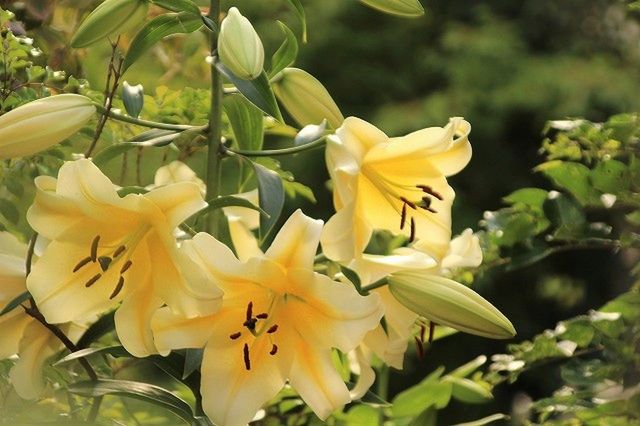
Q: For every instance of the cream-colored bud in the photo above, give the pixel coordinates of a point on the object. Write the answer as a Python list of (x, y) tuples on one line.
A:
[(111, 18), (306, 99), (449, 303), (239, 46), (406, 8), (43, 123)]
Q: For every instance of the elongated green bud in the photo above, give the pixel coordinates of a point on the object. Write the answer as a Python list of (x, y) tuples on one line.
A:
[(306, 99), (239, 46), (111, 18), (43, 123), (449, 303), (406, 8)]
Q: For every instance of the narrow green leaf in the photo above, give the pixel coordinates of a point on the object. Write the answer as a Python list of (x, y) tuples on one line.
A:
[(352, 276), (113, 151), (297, 7), (159, 28), (9, 211), (179, 6), (286, 53), (486, 420), (257, 91), (415, 400), (143, 391), (246, 122), (232, 201), (192, 361), (105, 324), (17, 301), (117, 351), (271, 196)]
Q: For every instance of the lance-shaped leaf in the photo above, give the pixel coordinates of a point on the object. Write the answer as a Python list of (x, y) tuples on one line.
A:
[(158, 28), (286, 53), (404, 8), (178, 6), (246, 122), (449, 303), (271, 196)]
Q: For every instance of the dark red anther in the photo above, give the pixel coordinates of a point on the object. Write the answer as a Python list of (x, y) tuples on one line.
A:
[(82, 263), (118, 288), (94, 248), (263, 315), (403, 215), (428, 190), (274, 350), (432, 328), (409, 203), (126, 266), (412, 235), (426, 205), (247, 360), (423, 331), (419, 348), (119, 251), (92, 280), (272, 329), (250, 311), (235, 336)]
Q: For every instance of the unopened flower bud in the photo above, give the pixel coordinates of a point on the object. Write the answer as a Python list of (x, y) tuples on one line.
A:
[(40, 124), (406, 8), (306, 99), (111, 18), (133, 98), (446, 302), (239, 46)]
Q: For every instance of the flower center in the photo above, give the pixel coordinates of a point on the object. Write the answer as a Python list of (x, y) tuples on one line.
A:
[(257, 326), (106, 257), (419, 202)]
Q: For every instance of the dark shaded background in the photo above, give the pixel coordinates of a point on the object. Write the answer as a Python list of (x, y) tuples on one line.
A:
[(506, 66)]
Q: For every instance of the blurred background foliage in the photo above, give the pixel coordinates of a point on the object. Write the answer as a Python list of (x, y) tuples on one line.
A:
[(508, 67)]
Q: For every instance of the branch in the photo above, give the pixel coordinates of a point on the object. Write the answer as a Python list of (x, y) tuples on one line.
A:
[(276, 152)]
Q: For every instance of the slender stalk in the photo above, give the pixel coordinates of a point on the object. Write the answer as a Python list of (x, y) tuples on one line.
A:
[(382, 388), (275, 152), (145, 123), (376, 284), (214, 158), (114, 73)]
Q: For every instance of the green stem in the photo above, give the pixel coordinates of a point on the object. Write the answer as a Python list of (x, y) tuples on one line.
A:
[(382, 389), (376, 284), (214, 159), (275, 152), (144, 123)]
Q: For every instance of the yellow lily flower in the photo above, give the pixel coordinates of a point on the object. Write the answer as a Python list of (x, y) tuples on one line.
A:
[(397, 184), (279, 322), (106, 249), (21, 333)]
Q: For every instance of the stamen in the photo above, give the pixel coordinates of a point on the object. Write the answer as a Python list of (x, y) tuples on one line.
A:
[(94, 248), (428, 190), (403, 216), (272, 329), (104, 262), (419, 348), (412, 236), (235, 336), (262, 316), (409, 203), (247, 360), (82, 263), (126, 266), (249, 311), (118, 288), (119, 251), (274, 350), (432, 328), (423, 330), (93, 280)]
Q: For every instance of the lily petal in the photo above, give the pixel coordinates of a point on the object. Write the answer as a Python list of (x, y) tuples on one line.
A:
[(174, 331), (13, 325), (366, 375), (345, 235), (297, 242), (177, 201), (36, 346), (315, 378)]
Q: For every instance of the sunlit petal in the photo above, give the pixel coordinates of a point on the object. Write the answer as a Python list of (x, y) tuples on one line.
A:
[(177, 201), (296, 244)]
